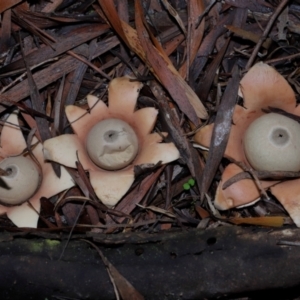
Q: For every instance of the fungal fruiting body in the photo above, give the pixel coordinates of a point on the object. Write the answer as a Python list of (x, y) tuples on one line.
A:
[(110, 140), (262, 141), (22, 179), (112, 144), (272, 143), (25, 177)]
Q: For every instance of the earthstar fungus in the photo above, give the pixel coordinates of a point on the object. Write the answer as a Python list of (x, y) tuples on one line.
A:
[(25, 180), (112, 144), (251, 142), (110, 140), (272, 143)]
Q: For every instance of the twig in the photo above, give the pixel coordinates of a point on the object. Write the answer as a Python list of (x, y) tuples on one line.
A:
[(82, 59), (128, 225), (261, 175), (253, 175), (71, 231), (276, 13), (279, 59)]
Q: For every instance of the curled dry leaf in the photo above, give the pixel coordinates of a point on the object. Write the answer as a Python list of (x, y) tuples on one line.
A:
[(261, 87)]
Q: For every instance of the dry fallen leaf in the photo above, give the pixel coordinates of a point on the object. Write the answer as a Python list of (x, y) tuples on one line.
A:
[(124, 287), (6, 4), (259, 221), (156, 60)]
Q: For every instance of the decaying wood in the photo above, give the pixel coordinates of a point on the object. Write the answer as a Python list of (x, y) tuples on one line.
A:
[(215, 263)]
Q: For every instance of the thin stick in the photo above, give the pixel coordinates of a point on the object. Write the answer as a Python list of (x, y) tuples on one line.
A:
[(276, 13), (253, 175), (72, 229), (276, 60)]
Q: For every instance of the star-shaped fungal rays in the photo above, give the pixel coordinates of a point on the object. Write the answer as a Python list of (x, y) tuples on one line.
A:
[(25, 182), (110, 140), (261, 141)]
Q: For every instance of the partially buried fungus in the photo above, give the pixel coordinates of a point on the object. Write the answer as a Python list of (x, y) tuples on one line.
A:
[(272, 143), (269, 142), (23, 178), (112, 144), (110, 140), (23, 181)]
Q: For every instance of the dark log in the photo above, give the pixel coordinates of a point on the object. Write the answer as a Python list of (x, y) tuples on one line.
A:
[(197, 264)]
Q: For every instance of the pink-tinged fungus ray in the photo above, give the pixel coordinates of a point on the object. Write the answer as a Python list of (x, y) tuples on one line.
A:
[(110, 140), (261, 141), (25, 181)]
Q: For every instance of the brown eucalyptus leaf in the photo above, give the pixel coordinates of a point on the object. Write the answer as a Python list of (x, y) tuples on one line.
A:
[(172, 11), (88, 189), (157, 61), (165, 71), (158, 210), (205, 86), (71, 212), (221, 131), (51, 6), (253, 5), (125, 288), (249, 35), (239, 21), (259, 221), (75, 36), (6, 4), (169, 121), (19, 18), (208, 45), (194, 34), (128, 203), (37, 104), (73, 82), (43, 20), (58, 108), (5, 31), (53, 72)]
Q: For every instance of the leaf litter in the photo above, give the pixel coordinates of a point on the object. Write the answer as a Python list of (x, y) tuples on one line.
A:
[(53, 55)]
